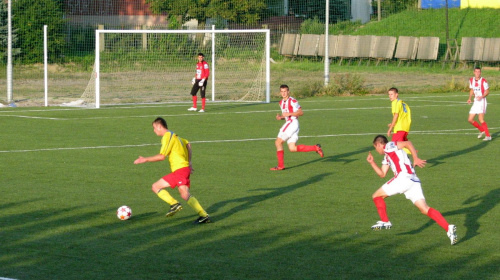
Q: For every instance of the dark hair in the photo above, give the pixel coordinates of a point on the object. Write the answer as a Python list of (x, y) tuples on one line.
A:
[(201, 54), (394, 89), (161, 121), (380, 139), (477, 67), (284, 86)]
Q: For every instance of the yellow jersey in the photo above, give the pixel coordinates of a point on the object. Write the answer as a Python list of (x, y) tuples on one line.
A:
[(175, 148), (404, 115)]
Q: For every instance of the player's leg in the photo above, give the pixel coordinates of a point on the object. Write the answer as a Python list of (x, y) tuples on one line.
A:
[(280, 153), (160, 189), (193, 202), (203, 99), (451, 230), (378, 198), (194, 91), (484, 126)]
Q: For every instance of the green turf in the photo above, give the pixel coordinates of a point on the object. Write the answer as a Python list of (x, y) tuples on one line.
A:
[(65, 172)]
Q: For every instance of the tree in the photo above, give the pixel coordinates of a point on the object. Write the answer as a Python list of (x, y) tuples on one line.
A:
[(29, 17), (240, 11), (4, 32)]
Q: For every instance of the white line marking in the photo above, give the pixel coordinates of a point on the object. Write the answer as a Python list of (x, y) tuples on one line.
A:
[(3, 278), (440, 132)]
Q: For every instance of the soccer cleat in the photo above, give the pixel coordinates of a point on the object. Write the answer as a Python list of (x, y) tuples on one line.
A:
[(481, 134), (276, 168), (382, 225), (174, 209), (202, 220), (487, 138), (319, 150), (452, 234), (201, 111), (192, 109)]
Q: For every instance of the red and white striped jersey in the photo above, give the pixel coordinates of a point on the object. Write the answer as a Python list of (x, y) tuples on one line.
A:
[(290, 105), (397, 159), (478, 86)]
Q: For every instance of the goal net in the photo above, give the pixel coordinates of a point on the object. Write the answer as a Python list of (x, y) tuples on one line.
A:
[(157, 66)]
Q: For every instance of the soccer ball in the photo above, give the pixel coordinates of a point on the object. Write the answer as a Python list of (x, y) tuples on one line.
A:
[(124, 212)]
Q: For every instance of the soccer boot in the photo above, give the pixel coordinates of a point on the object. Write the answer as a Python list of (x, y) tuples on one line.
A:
[(192, 109), (202, 220), (201, 111), (487, 138), (174, 209), (276, 168), (319, 150), (452, 234), (481, 134), (382, 225)]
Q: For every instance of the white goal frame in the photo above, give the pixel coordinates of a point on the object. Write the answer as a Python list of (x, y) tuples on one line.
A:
[(213, 31)]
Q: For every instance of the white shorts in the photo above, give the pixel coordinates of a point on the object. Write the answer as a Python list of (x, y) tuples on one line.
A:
[(289, 132), (407, 184), (478, 107)]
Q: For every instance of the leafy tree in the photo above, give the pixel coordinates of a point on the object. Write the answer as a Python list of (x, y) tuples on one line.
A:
[(240, 11), (29, 18), (4, 32)]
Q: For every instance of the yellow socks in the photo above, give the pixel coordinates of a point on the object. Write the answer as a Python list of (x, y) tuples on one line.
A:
[(163, 194), (193, 202)]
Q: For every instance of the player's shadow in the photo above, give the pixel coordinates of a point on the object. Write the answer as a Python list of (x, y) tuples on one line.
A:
[(337, 158), (472, 213), (440, 159), (246, 202)]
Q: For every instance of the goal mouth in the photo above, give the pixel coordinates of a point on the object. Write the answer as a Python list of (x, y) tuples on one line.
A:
[(157, 66)]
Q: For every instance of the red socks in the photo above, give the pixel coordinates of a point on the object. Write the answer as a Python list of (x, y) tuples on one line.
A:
[(436, 216), (281, 158), (484, 128), (203, 100), (304, 148), (475, 124), (381, 208), (195, 99)]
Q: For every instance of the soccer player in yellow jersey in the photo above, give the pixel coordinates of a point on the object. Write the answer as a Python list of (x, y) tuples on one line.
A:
[(401, 118), (178, 151)]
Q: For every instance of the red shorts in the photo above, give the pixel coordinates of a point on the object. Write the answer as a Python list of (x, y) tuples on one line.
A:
[(400, 136), (179, 177)]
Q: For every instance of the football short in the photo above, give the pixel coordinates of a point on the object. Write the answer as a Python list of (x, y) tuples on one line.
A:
[(405, 184), (478, 107), (400, 136), (179, 177), (289, 132)]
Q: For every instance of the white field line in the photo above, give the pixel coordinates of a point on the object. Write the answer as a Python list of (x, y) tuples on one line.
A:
[(434, 132), (3, 278)]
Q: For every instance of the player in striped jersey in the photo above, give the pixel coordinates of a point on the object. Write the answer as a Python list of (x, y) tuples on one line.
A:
[(405, 181), (289, 132), (178, 151), (479, 89)]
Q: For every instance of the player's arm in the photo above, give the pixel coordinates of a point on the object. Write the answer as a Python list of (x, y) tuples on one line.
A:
[(471, 93), (392, 124), (416, 160), (158, 157), (190, 155), (381, 171), (297, 113)]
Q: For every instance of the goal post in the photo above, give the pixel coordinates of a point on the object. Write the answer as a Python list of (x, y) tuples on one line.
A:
[(152, 66)]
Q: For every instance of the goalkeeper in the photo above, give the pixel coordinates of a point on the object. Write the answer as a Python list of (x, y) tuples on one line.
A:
[(200, 82)]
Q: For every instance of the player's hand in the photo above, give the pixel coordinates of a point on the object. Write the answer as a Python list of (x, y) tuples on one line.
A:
[(278, 117), (140, 160), (419, 162), (193, 81), (369, 158), (191, 169), (468, 101), (201, 82)]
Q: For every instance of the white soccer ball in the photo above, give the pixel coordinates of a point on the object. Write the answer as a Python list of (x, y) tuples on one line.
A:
[(124, 213)]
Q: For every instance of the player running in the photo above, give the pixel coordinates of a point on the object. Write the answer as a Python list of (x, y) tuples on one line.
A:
[(479, 89), (289, 132), (405, 181), (200, 83), (178, 151)]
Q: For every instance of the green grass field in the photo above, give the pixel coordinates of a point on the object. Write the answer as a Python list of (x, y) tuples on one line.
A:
[(64, 172)]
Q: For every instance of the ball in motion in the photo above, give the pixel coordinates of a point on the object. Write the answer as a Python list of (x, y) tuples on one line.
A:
[(124, 212)]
